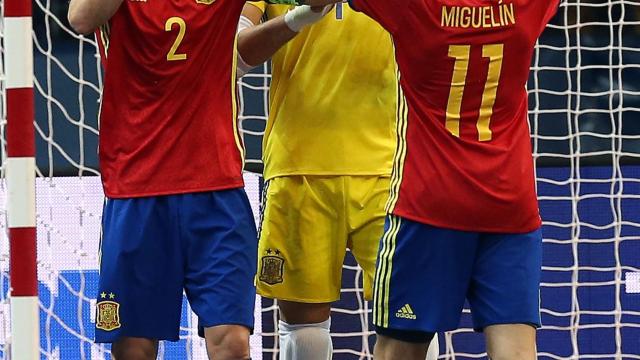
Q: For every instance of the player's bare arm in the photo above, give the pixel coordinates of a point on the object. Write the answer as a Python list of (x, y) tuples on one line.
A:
[(258, 42), (85, 16)]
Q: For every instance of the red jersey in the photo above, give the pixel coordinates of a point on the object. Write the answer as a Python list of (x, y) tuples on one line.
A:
[(168, 113), (464, 157)]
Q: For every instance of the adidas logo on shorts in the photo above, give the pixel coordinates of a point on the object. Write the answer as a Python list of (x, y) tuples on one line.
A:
[(406, 313)]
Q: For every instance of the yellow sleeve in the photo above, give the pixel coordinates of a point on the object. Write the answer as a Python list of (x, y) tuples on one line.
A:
[(259, 4)]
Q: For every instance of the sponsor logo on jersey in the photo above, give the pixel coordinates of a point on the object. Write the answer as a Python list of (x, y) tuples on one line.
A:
[(108, 317), (272, 271), (406, 313), (205, 2)]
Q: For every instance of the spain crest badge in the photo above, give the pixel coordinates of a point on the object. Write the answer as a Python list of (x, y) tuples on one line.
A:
[(108, 317), (272, 270)]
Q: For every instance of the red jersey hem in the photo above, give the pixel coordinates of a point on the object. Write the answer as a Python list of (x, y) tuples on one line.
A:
[(237, 185), (496, 230)]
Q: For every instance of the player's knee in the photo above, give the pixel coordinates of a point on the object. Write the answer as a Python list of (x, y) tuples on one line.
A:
[(411, 344), (229, 342), (232, 348), (511, 342), (513, 350), (133, 351), (300, 313), (513, 354)]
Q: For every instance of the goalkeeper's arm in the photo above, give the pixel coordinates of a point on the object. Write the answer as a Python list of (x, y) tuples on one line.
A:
[(257, 43), (85, 16)]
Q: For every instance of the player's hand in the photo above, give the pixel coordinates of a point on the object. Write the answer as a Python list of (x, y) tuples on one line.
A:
[(301, 16), (325, 9)]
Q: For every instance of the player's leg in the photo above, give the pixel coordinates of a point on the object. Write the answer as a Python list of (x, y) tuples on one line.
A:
[(220, 241), (130, 348), (422, 277), (302, 247), (304, 331), (227, 342), (367, 196), (511, 342), (504, 293), (388, 348), (140, 288)]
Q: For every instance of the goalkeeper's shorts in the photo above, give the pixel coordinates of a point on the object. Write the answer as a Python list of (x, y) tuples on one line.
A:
[(308, 224), (154, 248), (425, 273)]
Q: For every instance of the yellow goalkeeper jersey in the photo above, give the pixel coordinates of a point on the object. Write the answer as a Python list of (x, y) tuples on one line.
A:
[(333, 98)]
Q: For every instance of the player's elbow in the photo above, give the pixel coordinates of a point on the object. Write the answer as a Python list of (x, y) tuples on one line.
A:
[(80, 24), (248, 56)]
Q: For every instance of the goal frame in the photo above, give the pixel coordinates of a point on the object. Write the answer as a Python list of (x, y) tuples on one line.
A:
[(20, 175)]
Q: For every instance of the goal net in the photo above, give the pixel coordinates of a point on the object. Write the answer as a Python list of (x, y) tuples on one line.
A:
[(584, 101)]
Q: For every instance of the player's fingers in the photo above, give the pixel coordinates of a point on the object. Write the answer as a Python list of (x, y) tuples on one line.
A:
[(322, 9)]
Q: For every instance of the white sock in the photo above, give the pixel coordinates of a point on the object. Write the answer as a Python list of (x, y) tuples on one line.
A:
[(434, 349), (305, 341)]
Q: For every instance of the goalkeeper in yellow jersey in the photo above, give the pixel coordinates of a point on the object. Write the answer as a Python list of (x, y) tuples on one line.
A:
[(328, 151)]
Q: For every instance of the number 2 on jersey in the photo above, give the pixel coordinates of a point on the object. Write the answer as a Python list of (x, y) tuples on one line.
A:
[(172, 55), (459, 81)]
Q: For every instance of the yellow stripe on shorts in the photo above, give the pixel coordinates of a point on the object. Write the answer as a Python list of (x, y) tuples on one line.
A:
[(377, 286), (383, 273)]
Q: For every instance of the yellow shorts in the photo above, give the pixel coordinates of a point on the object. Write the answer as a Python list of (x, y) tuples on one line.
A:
[(308, 224)]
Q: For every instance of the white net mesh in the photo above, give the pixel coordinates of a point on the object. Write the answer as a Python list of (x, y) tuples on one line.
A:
[(584, 102), (584, 106)]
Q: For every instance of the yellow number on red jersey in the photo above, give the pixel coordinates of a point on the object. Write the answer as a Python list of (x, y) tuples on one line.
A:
[(459, 81), (172, 55)]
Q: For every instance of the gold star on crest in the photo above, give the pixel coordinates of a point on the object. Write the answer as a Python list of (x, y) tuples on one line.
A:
[(112, 296), (103, 295)]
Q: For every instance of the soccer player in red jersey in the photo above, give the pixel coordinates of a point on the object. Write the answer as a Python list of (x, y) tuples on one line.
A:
[(177, 217), (464, 216)]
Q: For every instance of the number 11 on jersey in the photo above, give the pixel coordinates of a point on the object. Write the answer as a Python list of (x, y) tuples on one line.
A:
[(461, 54)]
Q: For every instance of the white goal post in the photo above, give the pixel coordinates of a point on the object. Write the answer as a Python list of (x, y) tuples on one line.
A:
[(19, 169)]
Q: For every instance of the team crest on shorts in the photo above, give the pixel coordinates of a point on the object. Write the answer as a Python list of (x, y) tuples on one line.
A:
[(272, 268), (108, 317)]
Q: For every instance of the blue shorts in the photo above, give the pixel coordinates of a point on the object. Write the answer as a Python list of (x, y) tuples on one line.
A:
[(425, 273), (154, 248)]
